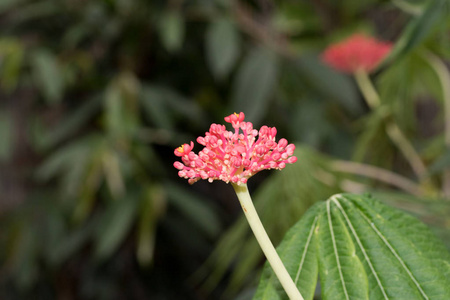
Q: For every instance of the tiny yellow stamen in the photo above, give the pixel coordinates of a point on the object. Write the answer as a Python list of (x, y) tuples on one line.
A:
[(181, 149), (236, 115)]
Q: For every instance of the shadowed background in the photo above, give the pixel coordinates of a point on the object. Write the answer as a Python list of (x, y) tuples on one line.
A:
[(96, 95)]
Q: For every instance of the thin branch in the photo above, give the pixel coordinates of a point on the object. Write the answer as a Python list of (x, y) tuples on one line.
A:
[(379, 174)]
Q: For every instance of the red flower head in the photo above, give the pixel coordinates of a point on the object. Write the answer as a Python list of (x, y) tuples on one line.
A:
[(234, 156), (357, 52)]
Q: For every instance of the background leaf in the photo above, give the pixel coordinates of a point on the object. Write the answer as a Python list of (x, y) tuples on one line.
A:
[(6, 135), (222, 47), (171, 30), (48, 74), (254, 84), (418, 29), (115, 224)]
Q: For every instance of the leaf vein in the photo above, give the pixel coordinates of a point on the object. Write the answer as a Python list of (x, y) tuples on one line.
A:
[(335, 251), (305, 250), (361, 246), (386, 242)]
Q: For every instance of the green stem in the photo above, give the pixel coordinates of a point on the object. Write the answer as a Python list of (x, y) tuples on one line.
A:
[(394, 132), (265, 243), (367, 89), (443, 74), (378, 174)]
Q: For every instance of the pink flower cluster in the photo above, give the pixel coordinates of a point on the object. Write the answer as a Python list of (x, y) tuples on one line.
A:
[(357, 52), (234, 156)]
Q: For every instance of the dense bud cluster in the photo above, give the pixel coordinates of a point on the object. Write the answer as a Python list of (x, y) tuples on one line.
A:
[(234, 156)]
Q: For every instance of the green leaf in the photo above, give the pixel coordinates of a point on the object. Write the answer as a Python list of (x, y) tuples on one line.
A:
[(342, 274), (171, 30), (48, 75), (255, 83), (441, 164), (222, 47), (418, 29), (328, 83), (6, 135), (115, 224), (12, 54), (194, 208), (74, 121), (8, 4), (367, 250), (299, 253), (153, 101), (120, 102), (152, 208), (160, 103)]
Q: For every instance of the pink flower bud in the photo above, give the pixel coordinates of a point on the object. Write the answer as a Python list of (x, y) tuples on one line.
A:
[(233, 156)]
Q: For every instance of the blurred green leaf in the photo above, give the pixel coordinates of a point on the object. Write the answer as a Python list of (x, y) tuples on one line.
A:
[(328, 83), (61, 160), (222, 47), (34, 10), (310, 125), (6, 135), (11, 60), (195, 208), (69, 126), (70, 243), (418, 29), (121, 105), (153, 101), (441, 164), (48, 74), (254, 84), (171, 30), (114, 110), (113, 173), (161, 103), (115, 224), (8, 4), (152, 209)]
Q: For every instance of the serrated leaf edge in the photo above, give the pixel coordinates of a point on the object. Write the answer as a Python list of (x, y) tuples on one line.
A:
[(305, 250), (335, 200), (391, 248)]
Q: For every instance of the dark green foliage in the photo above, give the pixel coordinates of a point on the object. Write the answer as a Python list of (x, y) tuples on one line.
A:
[(96, 94)]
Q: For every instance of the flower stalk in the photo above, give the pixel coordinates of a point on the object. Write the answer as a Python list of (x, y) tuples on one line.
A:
[(265, 243), (234, 157), (443, 74)]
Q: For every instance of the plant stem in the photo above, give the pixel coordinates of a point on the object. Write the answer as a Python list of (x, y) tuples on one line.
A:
[(378, 174), (265, 243), (443, 74), (394, 132), (367, 89)]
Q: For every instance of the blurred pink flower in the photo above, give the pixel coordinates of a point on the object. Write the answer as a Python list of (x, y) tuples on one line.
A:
[(234, 156), (358, 52)]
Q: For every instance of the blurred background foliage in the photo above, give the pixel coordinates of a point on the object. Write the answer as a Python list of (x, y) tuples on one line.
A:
[(96, 94)]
